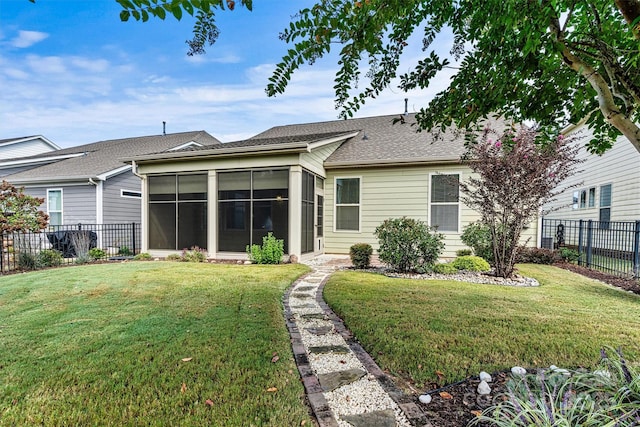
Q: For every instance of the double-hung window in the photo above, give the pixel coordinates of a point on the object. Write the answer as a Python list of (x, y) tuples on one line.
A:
[(605, 206), (445, 202), (54, 206), (347, 213)]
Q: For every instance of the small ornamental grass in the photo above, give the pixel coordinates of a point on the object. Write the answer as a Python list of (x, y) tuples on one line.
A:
[(195, 254), (608, 396), (408, 244)]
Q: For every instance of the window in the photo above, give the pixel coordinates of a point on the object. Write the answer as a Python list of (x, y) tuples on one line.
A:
[(592, 197), (605, 207), (347, 213), (177, 211), (583, 199), (130, 194), (445, 206), (54, 207), (250, 205)]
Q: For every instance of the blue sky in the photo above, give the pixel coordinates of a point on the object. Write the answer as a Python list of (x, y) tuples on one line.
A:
[(72, 71)]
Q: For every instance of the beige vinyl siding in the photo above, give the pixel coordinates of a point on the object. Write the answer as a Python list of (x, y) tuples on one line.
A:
[(314, 160), (389, 193), (620, 167)]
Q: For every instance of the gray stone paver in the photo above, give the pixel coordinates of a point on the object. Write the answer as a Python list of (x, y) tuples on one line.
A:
[(344, 386)]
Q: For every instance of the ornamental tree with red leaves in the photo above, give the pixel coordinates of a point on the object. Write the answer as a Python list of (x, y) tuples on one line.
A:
[(19, 212), (514, 178)]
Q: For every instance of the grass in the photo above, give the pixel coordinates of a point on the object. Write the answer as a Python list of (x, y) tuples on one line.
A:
[(103, 345), (434, 332)]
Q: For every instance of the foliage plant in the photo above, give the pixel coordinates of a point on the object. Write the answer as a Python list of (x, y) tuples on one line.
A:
[(270, 252), (464, 252), (173, 257), (97, 253), (608, 396), (445, 268), (125, 251), (478, 236), (143, 256), (514, 178), (195, 254), (537, 256), (49, 258), (27, 261), (569, 255), (470, 263), (408, 244), (19, 212), (360, 254)]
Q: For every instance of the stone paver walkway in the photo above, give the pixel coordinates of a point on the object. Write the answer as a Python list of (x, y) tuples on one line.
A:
[(344, 385)]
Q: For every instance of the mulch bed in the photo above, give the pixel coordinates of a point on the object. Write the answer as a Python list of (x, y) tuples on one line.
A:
[(457, 404)]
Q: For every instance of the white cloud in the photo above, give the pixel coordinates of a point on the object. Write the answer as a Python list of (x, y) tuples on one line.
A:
[(28, 38), (220, 59), (91, 65), (46, 64)]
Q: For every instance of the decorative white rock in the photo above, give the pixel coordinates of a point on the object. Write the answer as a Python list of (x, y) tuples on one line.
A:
[(553, 367), (485, 377), (483, 388), (603, 373), (518, 370), (425, 398)]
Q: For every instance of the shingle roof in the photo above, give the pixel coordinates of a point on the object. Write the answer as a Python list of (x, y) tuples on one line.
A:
[(380, 141), (104, 156)]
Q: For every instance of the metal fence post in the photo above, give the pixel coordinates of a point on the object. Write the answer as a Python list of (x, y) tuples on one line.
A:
[(133, 237), (636, 251), (2, 253), (580, 242), (589, 242)]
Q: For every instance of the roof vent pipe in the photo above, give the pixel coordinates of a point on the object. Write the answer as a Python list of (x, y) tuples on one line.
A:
[(164, 128), (406, 106)]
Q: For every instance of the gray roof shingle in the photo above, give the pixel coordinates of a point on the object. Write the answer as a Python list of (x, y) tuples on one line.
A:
[(104, 156)]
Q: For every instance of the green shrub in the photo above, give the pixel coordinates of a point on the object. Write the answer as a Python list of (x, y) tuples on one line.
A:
[(360, 254), (445, 268), (49, 258), (173, 257), (270, 252), (125, 251), (143, 256), (97, 253), (464, 252), (195, 254), (537, 256), (83, 259), (569, 255), (471, 263), (27, 261), (608, 396), (478, 236), (408, 244)]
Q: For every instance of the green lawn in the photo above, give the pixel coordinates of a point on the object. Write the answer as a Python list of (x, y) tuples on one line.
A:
[(414, 328), (103, 345)]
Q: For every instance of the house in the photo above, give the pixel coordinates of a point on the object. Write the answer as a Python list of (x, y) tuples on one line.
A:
[(319, 186), (89, 184), (25, 146), (607, 188)]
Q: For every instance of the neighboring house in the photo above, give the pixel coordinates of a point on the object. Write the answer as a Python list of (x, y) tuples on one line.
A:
[(25, 146), (89, 184), (607, 188), (319, 186)]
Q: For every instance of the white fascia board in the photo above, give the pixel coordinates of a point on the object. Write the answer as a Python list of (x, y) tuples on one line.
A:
[(323, 142), (224, 152), (185, 145), (106, 175), (32, 138), (35, 161)]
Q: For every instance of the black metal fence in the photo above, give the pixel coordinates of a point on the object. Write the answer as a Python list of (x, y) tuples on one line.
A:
[(609, 246), (20, 251)]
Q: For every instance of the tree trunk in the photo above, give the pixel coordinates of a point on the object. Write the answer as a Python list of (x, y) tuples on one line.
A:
[(630, 10)]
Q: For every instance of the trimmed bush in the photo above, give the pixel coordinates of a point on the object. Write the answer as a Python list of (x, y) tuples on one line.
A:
[(471, 263), (464, 252), (97, 253), (408, 244), (270, 252), (478, 236), (360, 254), (445, 268), (569, 255), (49, 258), (537, 256), (195, 254)]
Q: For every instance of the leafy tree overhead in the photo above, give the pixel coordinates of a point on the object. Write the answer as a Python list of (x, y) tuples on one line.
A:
[(551, 61)]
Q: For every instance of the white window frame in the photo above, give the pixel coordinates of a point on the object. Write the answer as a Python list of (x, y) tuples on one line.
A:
[(336, 205), (50, 190), (127, 196), (430, 203)]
